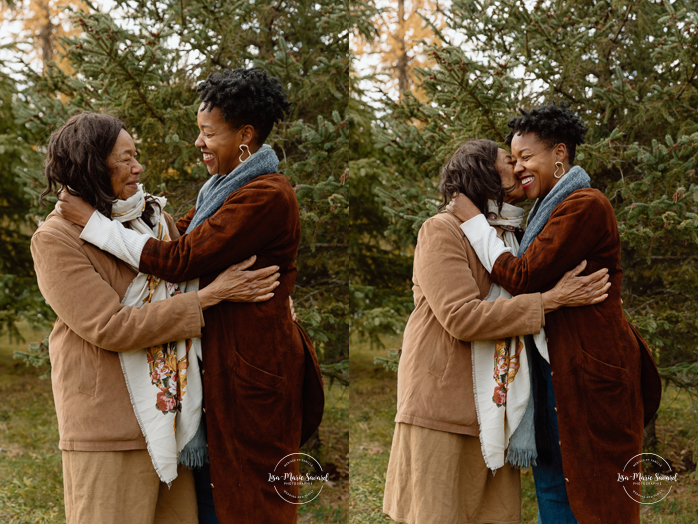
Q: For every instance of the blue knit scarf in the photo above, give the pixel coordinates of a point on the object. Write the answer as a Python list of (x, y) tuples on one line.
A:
[(211, 197), (218, 188)]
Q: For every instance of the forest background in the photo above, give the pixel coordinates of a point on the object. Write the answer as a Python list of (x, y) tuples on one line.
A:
[(437, 73), (428, 75), (141, 60)]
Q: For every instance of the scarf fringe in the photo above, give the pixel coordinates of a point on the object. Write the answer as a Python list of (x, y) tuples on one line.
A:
[(522, 458), (477, 411), (195, 454)]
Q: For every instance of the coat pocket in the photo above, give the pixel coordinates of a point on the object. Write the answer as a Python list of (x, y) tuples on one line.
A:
[(250, 373), (89, 369), (261, 409), (600, 369), (444, 347), (609, 401)]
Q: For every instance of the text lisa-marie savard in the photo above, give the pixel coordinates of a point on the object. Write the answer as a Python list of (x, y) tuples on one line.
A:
[(298, 478), (647, 478)]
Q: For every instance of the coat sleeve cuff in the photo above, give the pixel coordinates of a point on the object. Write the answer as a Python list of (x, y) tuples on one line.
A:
[(483, 238), (196, 314)]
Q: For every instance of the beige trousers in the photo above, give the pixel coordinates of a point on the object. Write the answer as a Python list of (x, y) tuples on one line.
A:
[(121, 487)]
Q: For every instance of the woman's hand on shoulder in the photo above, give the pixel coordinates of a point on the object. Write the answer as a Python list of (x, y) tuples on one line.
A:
[(463, 208), (73, 208), (235, 284), (574, 291)]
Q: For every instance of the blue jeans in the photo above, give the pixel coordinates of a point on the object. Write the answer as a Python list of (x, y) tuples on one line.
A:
[(204, 495), (551, 489)]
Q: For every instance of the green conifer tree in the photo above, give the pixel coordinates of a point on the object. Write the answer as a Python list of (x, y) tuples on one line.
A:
[(19, 294), (630, 69), (142, 60)]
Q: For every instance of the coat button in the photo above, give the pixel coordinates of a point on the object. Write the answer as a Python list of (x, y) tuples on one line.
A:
[(555, 408), (552, 373), (204, 410), (203, 371), (559, 443), (546, 339), (212, 485), (567, 480)]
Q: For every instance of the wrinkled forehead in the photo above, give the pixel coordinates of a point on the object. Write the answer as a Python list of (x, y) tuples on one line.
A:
[(124, 144)]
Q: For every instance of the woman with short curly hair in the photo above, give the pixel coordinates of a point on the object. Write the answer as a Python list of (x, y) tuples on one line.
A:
[(600, 385), (262, 385)]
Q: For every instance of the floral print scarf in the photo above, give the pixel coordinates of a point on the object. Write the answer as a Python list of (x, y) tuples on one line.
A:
[(501, 375), (163, 381)]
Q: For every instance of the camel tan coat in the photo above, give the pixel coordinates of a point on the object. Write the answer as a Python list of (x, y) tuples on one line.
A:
[(85, 285), (435, 376)]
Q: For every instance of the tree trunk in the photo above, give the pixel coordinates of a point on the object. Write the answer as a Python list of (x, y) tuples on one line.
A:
[(46, 36), (403, 59), (649, 435)]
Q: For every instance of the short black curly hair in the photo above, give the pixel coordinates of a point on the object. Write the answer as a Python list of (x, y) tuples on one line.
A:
[(246, 97), (553, 124)]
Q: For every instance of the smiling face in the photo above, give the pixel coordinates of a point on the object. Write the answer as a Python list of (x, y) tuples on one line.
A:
[(124, 169), (535, 164), (513, 191), (219, 143)]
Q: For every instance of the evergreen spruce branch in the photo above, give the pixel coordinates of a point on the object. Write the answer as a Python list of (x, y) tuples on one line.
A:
[(684, 374), (628, 10), (338, 372), (430, 23), (390, 363), (687, 82), (110, 53), (461, 81)]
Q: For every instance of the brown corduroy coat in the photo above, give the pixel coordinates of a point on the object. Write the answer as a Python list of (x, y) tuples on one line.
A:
[(254, 355), (606, 383)]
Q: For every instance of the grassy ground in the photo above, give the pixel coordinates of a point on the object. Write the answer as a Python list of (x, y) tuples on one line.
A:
[(371, 419), (31, 485), (333, 502), (31, 488)]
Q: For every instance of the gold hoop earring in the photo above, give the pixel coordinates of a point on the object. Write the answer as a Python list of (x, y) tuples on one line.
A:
[(558, 165), (247, 149)]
